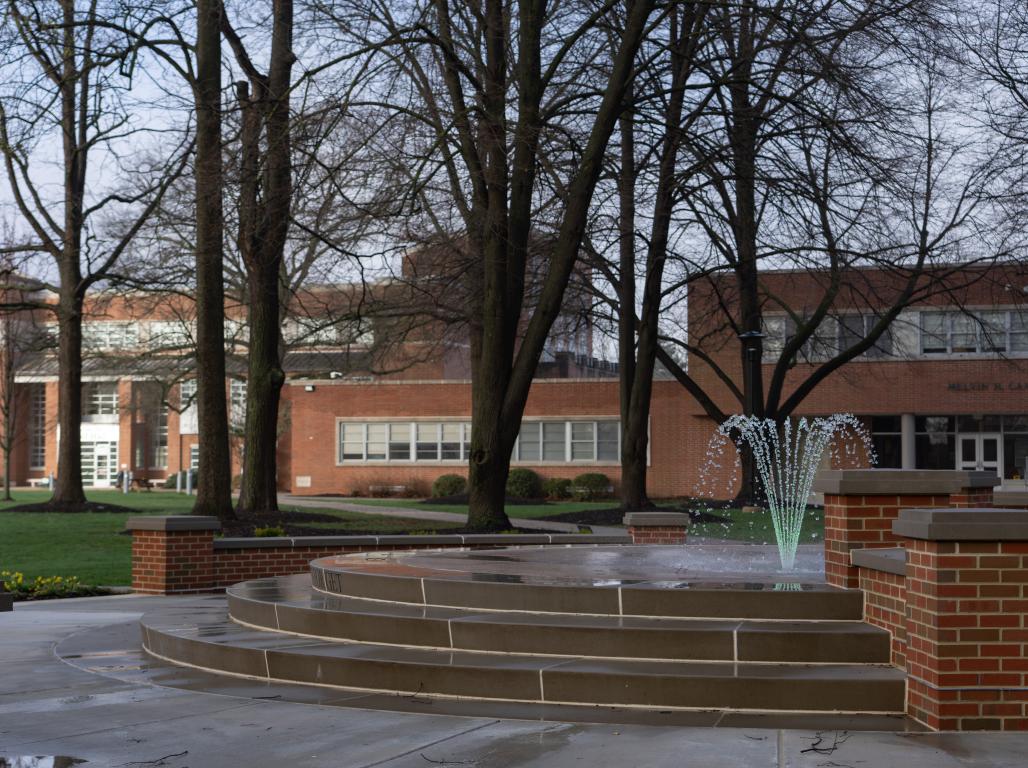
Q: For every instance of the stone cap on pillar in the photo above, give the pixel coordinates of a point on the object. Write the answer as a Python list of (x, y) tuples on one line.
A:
[(917, 482), (944, 524), (172, 523), (656, 519)]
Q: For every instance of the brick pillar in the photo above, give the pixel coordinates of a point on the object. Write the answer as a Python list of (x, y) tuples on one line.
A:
[(967, 617), (172, 554), (657, 527), (862, 504)]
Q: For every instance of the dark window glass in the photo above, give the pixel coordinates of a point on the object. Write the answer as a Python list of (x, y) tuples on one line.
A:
[(1015, 456), (933, 424), (968, 449), (1015, 423), (990, 447), (991, 423), (886, 424), (889, 450), (935, 451), (968, 424)]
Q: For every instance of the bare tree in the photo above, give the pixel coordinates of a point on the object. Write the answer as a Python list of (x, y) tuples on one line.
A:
[(487, 89), (66, 77), (819, 158)]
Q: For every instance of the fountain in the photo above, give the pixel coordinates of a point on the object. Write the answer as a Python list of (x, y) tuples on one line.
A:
[(787, 457)]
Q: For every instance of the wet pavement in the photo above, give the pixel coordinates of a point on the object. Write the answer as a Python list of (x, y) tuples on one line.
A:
[(103, 706), (709, 565)]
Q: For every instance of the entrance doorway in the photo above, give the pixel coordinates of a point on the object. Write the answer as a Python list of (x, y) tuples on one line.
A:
[(99, 463), (983, 451)]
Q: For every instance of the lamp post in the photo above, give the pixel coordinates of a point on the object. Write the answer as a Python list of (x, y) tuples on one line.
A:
[(752, 403)]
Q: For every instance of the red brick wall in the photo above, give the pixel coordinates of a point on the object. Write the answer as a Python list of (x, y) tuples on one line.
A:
[(658, 534), (234, 565), (885, 606), (966, 634), (167, 562), (856, 522)]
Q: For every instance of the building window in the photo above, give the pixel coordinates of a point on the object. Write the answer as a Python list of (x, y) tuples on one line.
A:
[(194, 457), (100, 401), (110, 335), (37, 427), (428, 442), (158, 434), (450, 441), (980, 332), (887, 440), (173, 334), (935, 442), (855, 328), (575, 441), (237, 403)]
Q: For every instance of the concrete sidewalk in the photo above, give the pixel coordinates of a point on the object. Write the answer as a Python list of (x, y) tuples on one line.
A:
[(50, 707), (330, 502)]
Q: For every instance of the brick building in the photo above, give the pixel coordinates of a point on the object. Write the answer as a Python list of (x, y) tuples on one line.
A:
[(386, 401)]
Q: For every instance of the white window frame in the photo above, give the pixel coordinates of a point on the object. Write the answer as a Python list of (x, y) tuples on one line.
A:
[(37, 427), (976, 317), (465, 442)]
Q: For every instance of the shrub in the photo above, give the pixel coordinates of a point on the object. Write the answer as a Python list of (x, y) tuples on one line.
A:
[(269, 531), (46, 587), (171, 480), (524, 484), (557, 488), (448, 485), (591, 485)]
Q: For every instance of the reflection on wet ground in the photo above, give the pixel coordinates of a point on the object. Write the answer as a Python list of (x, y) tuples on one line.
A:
[(39, 761)]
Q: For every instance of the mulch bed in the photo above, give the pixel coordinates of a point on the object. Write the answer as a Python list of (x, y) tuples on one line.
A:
[(89, 506), (615, 516), (292, 522)]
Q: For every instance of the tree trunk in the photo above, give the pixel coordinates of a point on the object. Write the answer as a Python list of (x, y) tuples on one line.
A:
[(487, 485), (264, 201), (214, 482), (68, 490), (258, 493), (635, 408)]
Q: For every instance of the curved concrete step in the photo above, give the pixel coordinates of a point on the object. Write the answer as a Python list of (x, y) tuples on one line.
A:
[(288, 604), (411, 578), (219, 645)]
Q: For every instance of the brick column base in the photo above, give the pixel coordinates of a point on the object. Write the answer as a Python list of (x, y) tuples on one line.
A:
[(967, 617), (173, 554), (861, 506), (657, 527)]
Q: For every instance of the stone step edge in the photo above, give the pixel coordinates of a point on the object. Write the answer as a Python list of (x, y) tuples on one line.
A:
[(869, 633), (656, 659), (486, 609), (542, 700)]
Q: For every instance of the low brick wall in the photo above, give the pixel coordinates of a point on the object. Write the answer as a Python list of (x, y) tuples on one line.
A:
[(955, 601), (657, 527), (180, 554), (883, 582), (861, 506)]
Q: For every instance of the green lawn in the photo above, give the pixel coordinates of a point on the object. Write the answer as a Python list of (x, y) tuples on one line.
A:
[(88, 546), (757, 528), (84, 545), (525, 511)]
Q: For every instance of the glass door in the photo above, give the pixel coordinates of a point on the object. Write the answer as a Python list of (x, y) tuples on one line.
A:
[(99, 463), (981, 452)]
